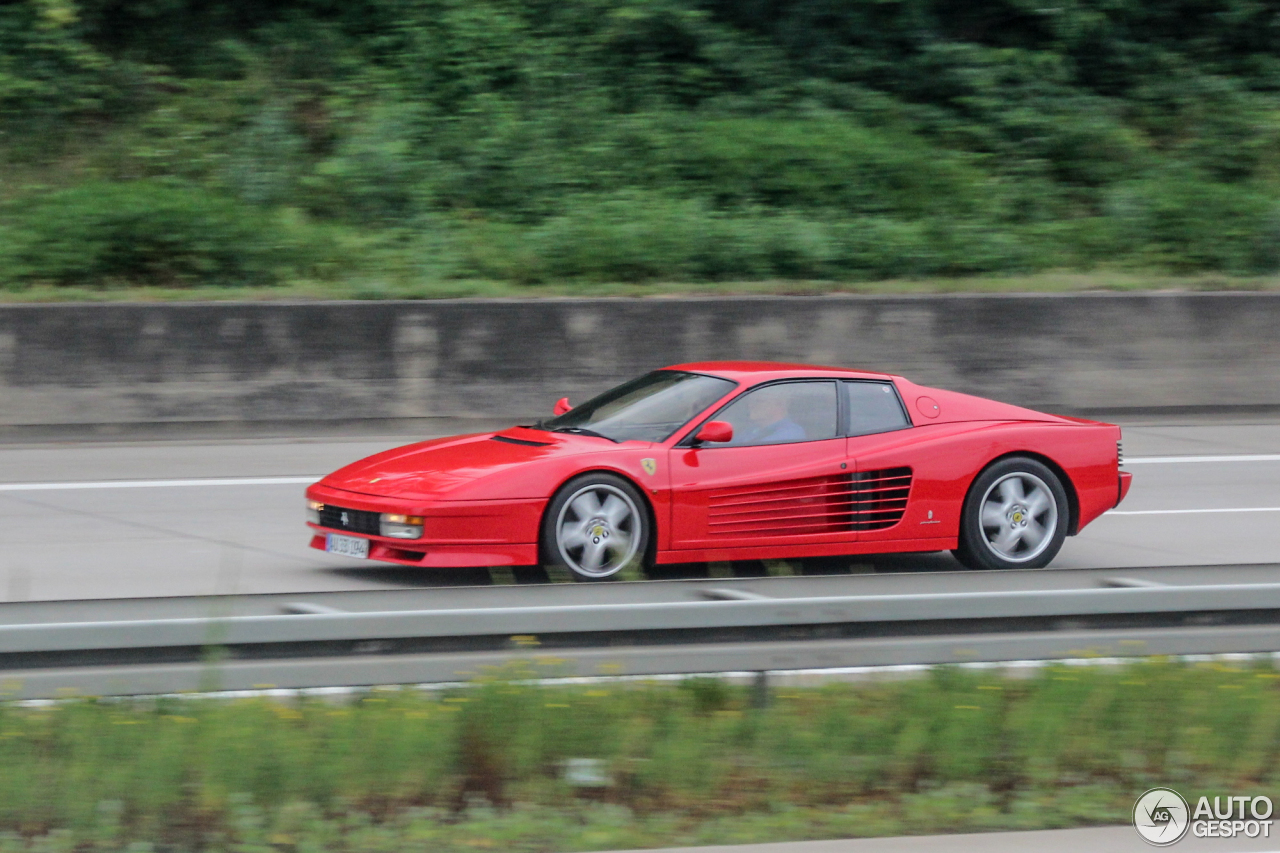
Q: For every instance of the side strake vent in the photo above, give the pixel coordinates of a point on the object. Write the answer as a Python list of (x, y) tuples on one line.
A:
[(879, 498), (865, 500)]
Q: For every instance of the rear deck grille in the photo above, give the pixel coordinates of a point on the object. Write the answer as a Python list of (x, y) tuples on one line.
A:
[(351, 520)]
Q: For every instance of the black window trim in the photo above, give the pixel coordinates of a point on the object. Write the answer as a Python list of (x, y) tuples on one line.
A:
[(844, 408), (688, 441)]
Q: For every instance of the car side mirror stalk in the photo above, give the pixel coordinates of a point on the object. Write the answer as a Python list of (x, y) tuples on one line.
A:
[(562, 406), (715, 431)]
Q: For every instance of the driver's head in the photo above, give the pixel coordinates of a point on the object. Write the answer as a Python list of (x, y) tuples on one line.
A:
[(766, 408)]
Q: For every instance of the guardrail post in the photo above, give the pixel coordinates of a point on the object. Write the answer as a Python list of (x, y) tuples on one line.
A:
[(760, 691)]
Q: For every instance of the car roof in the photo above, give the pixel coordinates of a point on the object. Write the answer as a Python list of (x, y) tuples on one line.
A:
[(758, 371)]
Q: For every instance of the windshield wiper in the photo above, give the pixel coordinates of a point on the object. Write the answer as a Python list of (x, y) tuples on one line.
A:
[(585, 431)]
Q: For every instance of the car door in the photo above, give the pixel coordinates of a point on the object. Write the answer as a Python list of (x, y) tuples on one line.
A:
[(779, 481), (883, 454)]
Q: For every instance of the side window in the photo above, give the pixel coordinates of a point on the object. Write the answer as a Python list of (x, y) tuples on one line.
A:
[(782, 413), (873, 407)]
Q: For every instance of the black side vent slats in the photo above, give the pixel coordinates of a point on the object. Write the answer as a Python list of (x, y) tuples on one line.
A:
[(862, 500), (352, 520), (524, 441), (878, 499)]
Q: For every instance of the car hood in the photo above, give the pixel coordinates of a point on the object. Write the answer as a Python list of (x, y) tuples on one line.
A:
[(431, 468)]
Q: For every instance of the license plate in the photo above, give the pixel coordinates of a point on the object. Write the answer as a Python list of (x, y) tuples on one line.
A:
[(346, 546)]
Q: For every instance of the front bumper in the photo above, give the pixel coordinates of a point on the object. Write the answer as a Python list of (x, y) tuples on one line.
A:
[(430, 556), (456, 534)]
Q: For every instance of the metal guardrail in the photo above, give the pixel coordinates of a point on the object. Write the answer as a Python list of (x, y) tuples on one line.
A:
[(617, 619)]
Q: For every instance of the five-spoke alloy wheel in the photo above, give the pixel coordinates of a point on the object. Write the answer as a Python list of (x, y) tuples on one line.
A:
[(595, 526), (1015, 517)]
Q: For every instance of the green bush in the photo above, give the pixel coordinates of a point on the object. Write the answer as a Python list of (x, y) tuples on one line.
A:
[(829, 163), (1180, 220), (47, 70), (141, 232), (634, 236)]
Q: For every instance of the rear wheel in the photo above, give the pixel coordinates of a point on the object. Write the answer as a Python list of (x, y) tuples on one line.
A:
[(1015, 517), (595, 526)]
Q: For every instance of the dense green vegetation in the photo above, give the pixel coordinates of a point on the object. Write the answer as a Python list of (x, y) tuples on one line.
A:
[(233, 142), (683, 763)]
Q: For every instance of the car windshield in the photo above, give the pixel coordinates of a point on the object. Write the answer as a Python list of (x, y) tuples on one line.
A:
[(650, 408)]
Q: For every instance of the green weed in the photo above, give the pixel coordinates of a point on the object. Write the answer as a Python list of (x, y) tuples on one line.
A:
[(957, 750)]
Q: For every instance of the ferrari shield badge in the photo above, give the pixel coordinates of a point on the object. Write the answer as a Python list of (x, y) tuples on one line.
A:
[(650, 467)]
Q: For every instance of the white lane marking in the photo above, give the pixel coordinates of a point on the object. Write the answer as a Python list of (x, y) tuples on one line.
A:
[(1191, 511), (1168, 460), (157, 484)]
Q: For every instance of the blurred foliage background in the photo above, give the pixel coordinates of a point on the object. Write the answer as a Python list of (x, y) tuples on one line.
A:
[(234, 142)]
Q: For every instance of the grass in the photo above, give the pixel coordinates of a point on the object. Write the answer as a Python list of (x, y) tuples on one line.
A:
[(1063, 282), (688, 763)]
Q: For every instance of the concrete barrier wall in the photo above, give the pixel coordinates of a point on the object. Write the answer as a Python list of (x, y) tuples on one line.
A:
[(245, 364)]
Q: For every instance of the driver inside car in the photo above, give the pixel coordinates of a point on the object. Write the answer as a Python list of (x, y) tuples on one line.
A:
[(769, 420)]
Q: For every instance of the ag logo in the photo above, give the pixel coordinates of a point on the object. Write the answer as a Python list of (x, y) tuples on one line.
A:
[(650, 467), (1161, 817)]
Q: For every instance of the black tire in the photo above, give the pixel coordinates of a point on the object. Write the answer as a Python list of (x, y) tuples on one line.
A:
[(596, 525), (1015, 516)]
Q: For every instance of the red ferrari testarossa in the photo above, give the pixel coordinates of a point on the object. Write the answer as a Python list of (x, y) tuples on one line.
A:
[(733, 461)]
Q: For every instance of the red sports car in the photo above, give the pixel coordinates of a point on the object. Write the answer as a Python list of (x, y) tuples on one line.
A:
[(733, 461)]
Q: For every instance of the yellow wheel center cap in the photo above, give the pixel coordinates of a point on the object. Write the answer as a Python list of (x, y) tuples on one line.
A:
[(598, 531), (1017, 518)]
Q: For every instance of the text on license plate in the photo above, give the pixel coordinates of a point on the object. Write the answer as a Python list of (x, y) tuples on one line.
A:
[(346, 546)]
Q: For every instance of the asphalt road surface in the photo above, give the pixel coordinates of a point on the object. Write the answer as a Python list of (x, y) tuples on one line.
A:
[(171, 518), (1101, 840)]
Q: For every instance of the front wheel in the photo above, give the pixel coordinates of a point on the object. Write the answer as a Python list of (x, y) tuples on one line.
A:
[(1015, 517), (595, 526)]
